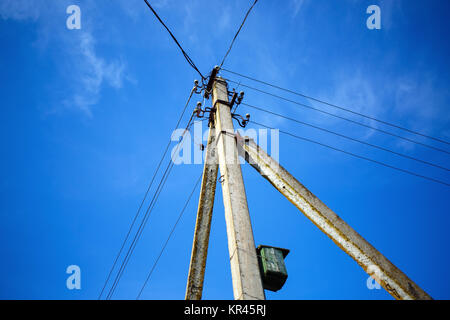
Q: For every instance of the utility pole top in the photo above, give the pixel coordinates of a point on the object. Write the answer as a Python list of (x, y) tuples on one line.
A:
[(212, 78)]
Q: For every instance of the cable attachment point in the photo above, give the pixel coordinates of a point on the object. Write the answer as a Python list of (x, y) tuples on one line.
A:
[(200, 113), (235, 99), (209, 85), (241, 120), (240, 98), (198, 110), (198, 89)]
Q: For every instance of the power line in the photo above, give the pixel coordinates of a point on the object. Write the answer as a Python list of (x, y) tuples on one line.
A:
[(354, 155), (338, 107), (144, 221), (145, 196), (168, 238), (186, 56), (235, 36), (346, 137), (140, 230), (340, 117), (146, 217)]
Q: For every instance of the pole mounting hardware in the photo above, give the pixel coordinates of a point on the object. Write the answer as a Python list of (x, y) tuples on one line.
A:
[(241, 120), (198, 88), (212, 77)]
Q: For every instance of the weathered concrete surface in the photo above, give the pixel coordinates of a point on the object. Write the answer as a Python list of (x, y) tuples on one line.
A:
[(199, 253), (247, 283), (370, 259)]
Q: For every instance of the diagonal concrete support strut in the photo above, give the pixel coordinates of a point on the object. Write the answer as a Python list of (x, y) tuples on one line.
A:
[(369, 258)]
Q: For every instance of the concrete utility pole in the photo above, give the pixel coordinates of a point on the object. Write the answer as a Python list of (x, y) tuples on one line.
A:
[(370, 259), (197, 266), (247, 282)]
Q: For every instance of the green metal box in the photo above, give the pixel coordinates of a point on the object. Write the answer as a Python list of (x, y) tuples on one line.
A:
[(273, 268)]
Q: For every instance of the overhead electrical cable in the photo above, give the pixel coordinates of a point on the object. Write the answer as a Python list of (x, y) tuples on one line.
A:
[(145, 196), (340, 117), (140, 230), (337, 107), (237, 33), (168, 238), (354, 155), (147, 215), (186, 56), (346, 137)]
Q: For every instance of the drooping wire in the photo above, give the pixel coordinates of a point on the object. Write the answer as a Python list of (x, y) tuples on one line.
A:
[(338, 107), (147, 215), (354, 155), (168, 238), (186, 56), (145, 196), (342, 118), (346, 137), (237, 33)]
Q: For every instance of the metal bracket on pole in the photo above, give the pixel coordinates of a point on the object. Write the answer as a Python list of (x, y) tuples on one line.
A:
[(370, 259), (212, 78)]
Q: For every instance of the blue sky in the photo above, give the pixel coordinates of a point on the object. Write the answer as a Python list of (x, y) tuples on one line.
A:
[(87, 113)]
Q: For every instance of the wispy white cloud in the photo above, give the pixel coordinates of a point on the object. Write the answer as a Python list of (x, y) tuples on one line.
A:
[(414, 101), (92, 73), (20, 10), (391, 13), (419, 100), (296, 6), (89, 72), (224, 23), (356, 92), (353, 91)]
